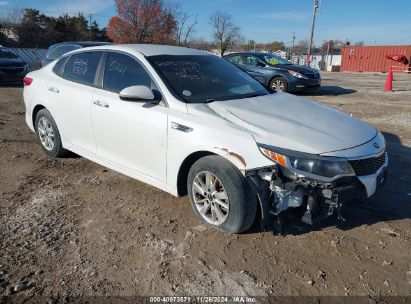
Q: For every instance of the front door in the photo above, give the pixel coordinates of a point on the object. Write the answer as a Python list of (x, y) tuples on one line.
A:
[(252, 65), (130, 134)]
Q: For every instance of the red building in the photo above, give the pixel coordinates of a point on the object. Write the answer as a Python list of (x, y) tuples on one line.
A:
[(373, 58)]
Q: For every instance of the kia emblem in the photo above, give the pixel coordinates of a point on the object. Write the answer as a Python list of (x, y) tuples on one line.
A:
[(376, 146)]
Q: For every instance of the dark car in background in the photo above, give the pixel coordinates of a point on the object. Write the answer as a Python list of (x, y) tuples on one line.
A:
[(59, 49), (275, 72), (12, 67)]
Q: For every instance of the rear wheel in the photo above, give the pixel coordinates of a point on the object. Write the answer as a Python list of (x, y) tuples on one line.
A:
[(220, 196), (48, 134), (279, 84)]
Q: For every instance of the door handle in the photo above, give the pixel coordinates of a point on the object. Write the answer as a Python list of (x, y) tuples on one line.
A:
[(101, 103), (54, 90), (180, 127)]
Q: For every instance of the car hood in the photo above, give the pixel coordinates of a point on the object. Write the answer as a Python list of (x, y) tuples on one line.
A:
[(291, 122), (296, 68), (17, 62)]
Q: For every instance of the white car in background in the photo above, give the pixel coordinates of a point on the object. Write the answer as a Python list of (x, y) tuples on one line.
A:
[(189, 122)]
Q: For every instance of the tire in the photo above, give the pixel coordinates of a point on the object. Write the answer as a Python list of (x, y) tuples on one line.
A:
[(48, 134), (229, 188), (279, 84)]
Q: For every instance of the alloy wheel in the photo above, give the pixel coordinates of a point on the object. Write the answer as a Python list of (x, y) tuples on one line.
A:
[(210, 198), (278, 85), (46, 133)]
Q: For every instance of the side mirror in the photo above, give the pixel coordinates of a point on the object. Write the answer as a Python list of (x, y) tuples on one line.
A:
[(260, 64), (140, 93)]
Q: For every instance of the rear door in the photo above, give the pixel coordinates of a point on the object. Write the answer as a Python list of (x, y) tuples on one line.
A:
[(71, 95), (131, 134), (235, 59)]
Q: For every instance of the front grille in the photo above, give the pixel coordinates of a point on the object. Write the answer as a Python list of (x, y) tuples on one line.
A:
[(313, 75), (368, 166), (13, 71)]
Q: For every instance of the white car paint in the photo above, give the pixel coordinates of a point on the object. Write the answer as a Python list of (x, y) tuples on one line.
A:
[(140, 140)]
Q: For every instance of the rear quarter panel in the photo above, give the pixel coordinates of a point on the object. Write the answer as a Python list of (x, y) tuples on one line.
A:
[(35, 94), (38, 94)]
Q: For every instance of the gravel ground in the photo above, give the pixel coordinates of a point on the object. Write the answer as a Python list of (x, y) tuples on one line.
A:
[(70, 228)]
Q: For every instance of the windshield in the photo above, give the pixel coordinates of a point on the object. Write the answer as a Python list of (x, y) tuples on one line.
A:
[(273, 59), (205, 78), (5, 54)]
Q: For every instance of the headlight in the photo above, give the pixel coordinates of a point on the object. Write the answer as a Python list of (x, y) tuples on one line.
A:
[(297, 75), (320, 166)]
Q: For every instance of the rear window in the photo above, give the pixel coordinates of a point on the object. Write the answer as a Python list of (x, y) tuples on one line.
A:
[(61, 50), (82, 67)]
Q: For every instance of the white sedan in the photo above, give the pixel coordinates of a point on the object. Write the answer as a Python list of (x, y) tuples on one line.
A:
[(189, 122)]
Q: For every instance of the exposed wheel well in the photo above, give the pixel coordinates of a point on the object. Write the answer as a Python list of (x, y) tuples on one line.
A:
[(278, 76), (185, 168), (35, 111)]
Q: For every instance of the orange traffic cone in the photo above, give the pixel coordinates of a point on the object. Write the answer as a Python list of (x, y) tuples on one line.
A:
[(390, 78)]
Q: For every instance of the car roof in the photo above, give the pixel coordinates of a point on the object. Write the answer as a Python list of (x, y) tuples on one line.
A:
[(80, 43), (150, 49), (249, 53)]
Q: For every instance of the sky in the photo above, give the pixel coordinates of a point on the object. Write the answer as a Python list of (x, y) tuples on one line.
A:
[(371, 21)]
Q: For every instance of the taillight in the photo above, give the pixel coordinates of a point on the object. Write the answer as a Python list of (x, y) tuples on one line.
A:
[(27, 81)]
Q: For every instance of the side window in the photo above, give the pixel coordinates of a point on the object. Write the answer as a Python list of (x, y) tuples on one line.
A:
[(58, 67), (61, 50), (250, 60), (236, 59), (82, 67), (122, 71), (271, 60)]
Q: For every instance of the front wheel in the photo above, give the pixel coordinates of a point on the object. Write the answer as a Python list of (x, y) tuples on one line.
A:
[(279, 84), (220, 196)]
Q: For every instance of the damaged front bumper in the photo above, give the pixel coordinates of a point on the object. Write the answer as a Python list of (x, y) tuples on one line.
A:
[(281, 191)]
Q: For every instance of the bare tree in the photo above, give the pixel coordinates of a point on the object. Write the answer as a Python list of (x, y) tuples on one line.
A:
[(12, 20), (301, 47), (225, 31), (185, 24)]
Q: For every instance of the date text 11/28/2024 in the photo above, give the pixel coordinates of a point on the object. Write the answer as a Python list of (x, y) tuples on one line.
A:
[(203, 299)]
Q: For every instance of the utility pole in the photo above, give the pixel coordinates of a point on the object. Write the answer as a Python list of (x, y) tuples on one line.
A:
[(89, 17), (292, 49), (328, 53), (310, 44)]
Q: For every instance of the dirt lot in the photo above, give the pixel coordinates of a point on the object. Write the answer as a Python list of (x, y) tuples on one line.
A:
[(71, 228)]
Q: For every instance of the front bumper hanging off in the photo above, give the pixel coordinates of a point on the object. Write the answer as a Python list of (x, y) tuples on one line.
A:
[(280, 192)]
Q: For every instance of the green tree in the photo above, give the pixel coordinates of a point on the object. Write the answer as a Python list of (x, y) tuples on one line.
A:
[(277, 46), (35, 29), (72, 28)]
